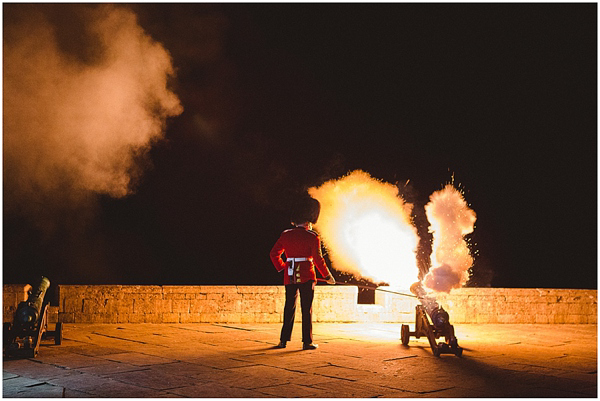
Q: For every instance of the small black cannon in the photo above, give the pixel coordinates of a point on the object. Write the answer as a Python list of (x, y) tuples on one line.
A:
[(441, 325), (23, 336)]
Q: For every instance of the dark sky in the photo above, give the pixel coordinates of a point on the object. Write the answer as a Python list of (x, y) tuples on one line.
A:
[(281, 97)]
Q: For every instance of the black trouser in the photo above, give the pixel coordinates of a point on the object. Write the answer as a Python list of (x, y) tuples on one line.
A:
[(307, 292)]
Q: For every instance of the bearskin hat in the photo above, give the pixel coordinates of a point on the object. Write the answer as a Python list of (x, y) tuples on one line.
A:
[(305, 209)]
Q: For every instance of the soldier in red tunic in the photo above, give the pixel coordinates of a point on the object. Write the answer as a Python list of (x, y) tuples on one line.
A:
[(302, 248)]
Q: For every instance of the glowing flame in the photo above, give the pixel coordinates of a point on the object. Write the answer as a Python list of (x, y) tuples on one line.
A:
[(450, 220), (367, 229)]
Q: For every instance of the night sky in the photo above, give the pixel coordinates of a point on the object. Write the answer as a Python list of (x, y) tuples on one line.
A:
[(501, 99)]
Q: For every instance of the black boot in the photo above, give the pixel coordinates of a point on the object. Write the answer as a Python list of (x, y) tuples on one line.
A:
[(307, 346)]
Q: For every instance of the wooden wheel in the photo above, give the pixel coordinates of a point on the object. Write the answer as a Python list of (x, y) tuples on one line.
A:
[(58, 333), (404, 334)]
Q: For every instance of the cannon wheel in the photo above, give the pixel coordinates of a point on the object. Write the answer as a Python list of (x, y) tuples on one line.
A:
[(58, 333), (404, 334)]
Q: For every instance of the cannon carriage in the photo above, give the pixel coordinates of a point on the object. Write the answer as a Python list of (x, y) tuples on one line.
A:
[(439, 327), (22, 337)]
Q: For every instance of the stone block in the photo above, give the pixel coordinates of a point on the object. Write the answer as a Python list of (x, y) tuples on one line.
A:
[(151, 305), (506, 318), (257, 305), (236, 295), (214, 289), (470, 315), (560, 308), (124, 318), (575, 319), (178, 296), (180, 305), (482, 318), (190, 318), (80, 317), (94, 305), (203, 306), (233, 305), (575, 308), (542, 319), (268, 318), (209, 318), (179, 289), (12, 296), (153, 317), (140, 289), (121, 305), (52, 314), (170, 318), (74, 304), (66, 317), (459, 316), (95, 317), (234, 318)]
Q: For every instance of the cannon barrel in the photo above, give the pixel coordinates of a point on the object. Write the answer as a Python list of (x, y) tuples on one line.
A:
[(439, 317), (28, 312)]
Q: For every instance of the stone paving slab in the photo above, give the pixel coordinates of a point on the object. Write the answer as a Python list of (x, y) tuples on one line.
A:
[(137, 359), (215, 390), (353, 361), (153, 379)]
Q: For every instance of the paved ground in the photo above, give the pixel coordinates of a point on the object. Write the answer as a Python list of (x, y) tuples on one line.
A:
[(353, 360)]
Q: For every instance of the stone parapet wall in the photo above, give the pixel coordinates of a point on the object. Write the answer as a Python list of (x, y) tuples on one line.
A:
[(12, 295), (264, 304), (195, 304), (506, 305)]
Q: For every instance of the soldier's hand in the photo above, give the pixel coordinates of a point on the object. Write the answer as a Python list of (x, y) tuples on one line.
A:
[(330, 280)]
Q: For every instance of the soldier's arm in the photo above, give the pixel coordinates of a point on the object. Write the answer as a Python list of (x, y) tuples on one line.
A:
[(318, 259), (275, 255)]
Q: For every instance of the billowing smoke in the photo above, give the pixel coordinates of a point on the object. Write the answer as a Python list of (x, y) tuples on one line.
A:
[(367, 229), (450, 220), (85, 97)]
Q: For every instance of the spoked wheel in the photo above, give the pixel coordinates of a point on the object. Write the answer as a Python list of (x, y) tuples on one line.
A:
[(404, 334)]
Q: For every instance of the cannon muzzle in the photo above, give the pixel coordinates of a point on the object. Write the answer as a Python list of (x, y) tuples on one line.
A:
[(439, 317)]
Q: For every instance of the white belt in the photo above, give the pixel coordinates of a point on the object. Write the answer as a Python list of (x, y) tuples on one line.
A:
[(292, 265), (299, 259)]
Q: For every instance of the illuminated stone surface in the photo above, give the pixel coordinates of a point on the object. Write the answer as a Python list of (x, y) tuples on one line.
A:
[(353, 360), (333, 304)]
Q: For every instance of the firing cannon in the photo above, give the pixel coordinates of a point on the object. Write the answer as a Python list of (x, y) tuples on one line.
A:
[(23, 336), (441, 325)]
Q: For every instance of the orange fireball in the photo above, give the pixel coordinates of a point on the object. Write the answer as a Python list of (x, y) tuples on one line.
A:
[(367, 229)]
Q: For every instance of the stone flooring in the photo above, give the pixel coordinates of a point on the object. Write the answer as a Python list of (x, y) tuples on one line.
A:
[(353, 360)]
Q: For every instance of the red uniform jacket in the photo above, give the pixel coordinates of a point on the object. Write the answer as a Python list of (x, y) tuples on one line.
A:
[(299, 243)]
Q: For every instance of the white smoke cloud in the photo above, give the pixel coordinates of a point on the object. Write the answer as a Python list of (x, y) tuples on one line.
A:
[(72, 126), (450, 220)]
